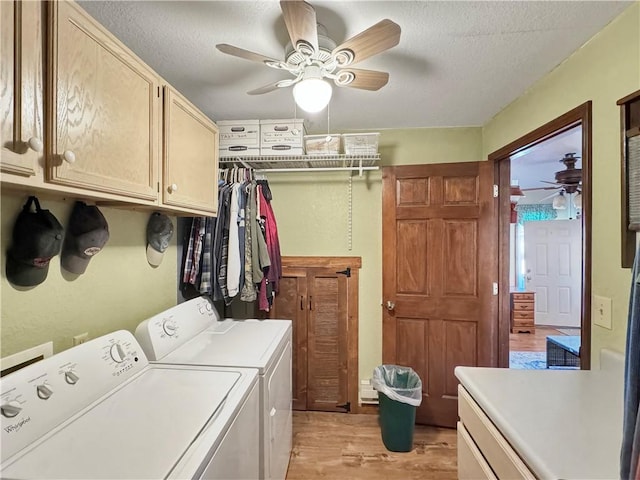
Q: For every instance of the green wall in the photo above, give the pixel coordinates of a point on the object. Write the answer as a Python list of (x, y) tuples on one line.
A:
[(118, 290), (604, 70)]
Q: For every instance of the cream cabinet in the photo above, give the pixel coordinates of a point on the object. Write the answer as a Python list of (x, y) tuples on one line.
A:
[(113, 130), (21, 88), (190, 156), (103, 121)]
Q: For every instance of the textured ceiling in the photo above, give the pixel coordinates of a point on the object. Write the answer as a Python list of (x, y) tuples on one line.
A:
[(458, 63)]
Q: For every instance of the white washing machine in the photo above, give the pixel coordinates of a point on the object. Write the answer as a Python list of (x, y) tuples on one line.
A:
[(191, 333), (100, 410)]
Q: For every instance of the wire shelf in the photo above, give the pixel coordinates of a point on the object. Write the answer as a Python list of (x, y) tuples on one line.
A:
[(292, 163)]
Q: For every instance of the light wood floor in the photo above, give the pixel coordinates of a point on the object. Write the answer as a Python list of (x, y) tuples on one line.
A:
[(531, 342), (349, 447)]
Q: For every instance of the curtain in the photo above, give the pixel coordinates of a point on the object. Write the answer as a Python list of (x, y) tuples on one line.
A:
[(629, 465), (533, 212)]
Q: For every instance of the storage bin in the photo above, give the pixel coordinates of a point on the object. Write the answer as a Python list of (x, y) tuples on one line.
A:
[(322, 144), (282, 137), (239, 132), (238, 150), (360, 143)]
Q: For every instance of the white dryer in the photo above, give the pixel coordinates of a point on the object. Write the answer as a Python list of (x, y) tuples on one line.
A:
[(100, 410), (192, 333)]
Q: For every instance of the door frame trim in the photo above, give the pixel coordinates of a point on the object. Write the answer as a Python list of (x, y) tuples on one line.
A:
[(581, 115)]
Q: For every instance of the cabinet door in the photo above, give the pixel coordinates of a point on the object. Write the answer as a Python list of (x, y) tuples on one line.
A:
[(21, 87), (104, 109), (190, 166), (291, 303), (327, 340)]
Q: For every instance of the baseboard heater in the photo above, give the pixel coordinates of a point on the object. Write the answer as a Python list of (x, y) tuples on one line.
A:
[(368, 395)]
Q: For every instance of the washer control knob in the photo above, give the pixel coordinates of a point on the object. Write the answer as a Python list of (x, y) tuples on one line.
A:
[(10, 409), (44, 391), (207, 306), (169, 327), (117, 353), (71, 378)]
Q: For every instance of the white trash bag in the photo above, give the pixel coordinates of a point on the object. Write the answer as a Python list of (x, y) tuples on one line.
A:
[(398, 383)]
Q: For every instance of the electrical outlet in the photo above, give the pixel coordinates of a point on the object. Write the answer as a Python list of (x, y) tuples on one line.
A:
[(80, 338), (601, 311)]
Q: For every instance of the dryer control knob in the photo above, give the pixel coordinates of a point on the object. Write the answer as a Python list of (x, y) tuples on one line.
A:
[(207, 306), (169, 327), (10, 409), (117, 353), (44, 391), (71, 378)]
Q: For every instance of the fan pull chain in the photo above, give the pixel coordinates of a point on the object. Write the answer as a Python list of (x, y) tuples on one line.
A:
[(350, 215)]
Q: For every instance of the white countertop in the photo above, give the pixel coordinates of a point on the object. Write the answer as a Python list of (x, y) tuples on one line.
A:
[(564, 424)]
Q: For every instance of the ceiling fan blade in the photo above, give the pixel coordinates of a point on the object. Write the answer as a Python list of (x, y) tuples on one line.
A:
[(363, 79), (547, 197), (378, 38), (266, 89), (275, 85), (248, 55), (551, 183), (300, 19)]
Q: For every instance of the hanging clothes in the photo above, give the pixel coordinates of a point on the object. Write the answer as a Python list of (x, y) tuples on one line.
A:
[(237, 253), (630, 451)]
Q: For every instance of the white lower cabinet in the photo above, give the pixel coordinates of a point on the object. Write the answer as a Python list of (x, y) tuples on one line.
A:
[(483, 452)]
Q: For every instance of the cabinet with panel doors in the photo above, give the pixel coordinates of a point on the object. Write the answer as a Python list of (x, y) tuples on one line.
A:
[(103, 125), (320, 296), (21, 89)]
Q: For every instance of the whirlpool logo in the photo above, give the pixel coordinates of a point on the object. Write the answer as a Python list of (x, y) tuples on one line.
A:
[(16, 426)]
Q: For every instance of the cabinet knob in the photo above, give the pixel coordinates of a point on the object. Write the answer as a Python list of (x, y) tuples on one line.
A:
[(35, 144), (173, 188), (68, 156)]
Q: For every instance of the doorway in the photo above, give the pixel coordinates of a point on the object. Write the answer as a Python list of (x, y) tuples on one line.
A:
[(557, 305)]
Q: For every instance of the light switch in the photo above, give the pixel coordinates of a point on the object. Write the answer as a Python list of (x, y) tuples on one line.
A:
[(601, 311)]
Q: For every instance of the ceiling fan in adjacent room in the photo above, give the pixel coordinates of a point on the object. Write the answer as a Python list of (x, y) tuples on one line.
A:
[(312, 57), (567, 181)]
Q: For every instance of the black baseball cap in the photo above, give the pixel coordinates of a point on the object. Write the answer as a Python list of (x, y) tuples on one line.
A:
[(87, 233), (37, 238), (159, 232)]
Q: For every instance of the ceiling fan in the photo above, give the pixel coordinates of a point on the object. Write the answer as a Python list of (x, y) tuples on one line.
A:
[(312, 57), (569, 179)]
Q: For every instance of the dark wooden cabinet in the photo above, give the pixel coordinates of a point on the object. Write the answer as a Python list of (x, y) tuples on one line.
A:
[(319, 295), (523, 312)]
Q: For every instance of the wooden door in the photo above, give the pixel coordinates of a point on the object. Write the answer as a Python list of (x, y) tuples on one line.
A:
[(21, 87), (439, 264), (291, 303), (553, 270), (327, 340), (103, 119), (190, 163)]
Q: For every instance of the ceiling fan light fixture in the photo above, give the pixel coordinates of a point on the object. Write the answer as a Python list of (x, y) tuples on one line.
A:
[(577, 200), (560, 202), (312, 94)]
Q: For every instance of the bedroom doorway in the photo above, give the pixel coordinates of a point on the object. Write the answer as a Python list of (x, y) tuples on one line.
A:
[(545, 245)]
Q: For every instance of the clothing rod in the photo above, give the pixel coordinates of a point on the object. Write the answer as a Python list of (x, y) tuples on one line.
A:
[(314, 169)]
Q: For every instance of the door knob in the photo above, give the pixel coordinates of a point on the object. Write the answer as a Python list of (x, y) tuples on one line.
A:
[(390, 305)]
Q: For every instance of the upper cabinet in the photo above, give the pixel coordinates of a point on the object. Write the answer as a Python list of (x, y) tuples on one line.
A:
[(103, 120), (190, 155), (108, 130), (21, 87)]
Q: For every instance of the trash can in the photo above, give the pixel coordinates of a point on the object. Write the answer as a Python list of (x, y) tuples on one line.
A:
[(400, 392)]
